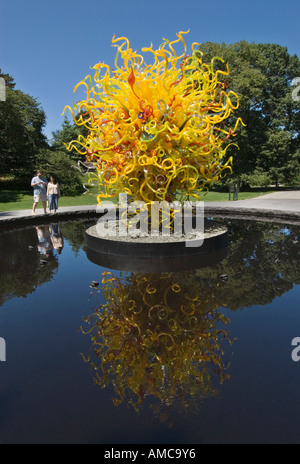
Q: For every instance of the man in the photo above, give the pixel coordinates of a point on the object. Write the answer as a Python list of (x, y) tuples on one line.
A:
[(39, 185)]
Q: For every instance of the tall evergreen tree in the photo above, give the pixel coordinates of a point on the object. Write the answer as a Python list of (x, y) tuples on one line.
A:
[(69, 131)]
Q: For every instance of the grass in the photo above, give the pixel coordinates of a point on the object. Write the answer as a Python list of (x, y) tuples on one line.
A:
[(224, 196), (18, 199), (12, 200)]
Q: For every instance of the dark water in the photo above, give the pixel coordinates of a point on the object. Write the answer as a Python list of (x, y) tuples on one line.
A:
[(170, 370)]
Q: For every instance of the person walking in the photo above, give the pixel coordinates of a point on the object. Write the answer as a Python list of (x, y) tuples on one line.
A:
[(39, 184), (53, 194)]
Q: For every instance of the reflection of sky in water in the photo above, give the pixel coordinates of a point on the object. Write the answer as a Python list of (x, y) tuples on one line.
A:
[(285, 231), (46, 390)]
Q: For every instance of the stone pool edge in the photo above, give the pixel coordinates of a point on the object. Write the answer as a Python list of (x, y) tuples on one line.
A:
[(260, 214)]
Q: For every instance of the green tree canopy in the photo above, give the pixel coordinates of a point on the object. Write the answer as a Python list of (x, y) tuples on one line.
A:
[(59, 165), (262, 75), (21, 124)]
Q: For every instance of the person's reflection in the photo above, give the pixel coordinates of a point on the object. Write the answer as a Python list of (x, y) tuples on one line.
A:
[(57, 238), (45, 245), (158, 336)]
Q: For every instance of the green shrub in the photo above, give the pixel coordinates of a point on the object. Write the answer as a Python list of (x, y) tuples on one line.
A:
[(258, 178)]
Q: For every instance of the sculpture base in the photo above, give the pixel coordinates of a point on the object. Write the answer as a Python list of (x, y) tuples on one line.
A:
[(158, 253)]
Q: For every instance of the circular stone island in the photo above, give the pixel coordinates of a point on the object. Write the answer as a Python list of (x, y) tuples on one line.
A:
[(136, 251)]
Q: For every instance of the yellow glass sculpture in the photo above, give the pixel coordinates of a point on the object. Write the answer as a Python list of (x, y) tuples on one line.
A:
[(157, 132)]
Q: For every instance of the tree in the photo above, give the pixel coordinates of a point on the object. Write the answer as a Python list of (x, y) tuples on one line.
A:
[(59, 165), (68, 132), (21, 137), (279, 112), (261, 74), (275, 154)]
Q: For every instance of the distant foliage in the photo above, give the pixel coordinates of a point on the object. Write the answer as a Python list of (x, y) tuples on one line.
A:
[(68, 132), (59, 165), (262, 76), (21, 124)]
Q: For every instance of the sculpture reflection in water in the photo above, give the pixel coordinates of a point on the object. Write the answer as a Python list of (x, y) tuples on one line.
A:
[(159, 336)]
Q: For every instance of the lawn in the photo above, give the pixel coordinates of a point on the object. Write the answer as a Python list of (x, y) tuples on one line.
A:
[(12, 199)]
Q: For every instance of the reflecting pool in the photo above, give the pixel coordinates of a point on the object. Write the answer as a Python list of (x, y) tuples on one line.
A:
[(200, 355)]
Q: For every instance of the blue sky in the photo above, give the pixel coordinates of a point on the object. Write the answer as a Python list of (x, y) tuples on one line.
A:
[(48, 47)]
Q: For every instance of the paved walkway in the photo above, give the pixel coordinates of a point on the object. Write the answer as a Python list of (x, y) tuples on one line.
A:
[(287, 202), (39, 212)]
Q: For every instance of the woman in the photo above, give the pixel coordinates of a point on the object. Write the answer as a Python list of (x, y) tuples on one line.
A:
[(57, 238), (53, 193)]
